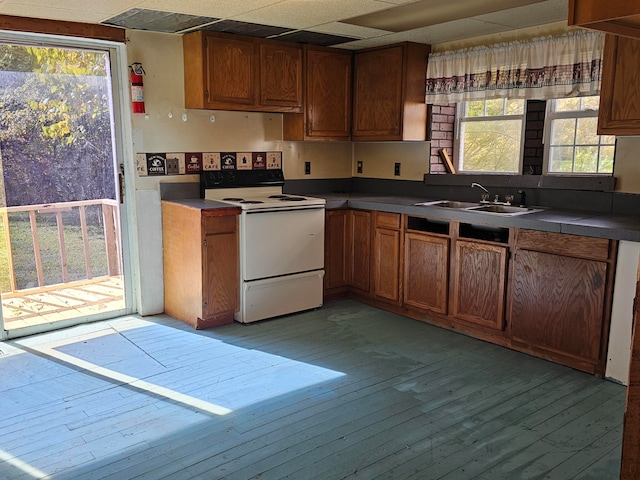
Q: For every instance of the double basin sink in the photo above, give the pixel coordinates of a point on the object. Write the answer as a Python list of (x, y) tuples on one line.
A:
[(491, 208)]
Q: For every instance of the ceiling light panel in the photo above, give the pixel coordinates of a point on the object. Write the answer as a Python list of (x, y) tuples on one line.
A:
[(156, 21), (431, 12), (549, 11)]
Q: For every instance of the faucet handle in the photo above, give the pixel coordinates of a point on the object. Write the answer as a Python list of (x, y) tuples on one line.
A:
[(496, 198), (508, 199), (485, 197)]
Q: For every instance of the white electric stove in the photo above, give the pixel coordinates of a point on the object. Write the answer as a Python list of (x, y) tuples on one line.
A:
[(281, 244)]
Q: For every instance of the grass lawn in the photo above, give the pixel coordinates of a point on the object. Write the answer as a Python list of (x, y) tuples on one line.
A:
[(23, 255)]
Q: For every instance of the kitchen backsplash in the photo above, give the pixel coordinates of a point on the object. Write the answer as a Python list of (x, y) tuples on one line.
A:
[(187, 163)]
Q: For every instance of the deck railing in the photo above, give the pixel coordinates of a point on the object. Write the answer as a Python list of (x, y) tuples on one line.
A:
[(111, 226)]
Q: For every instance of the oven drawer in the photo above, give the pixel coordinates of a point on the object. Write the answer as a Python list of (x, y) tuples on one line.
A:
[(281, 242), (280, 296)]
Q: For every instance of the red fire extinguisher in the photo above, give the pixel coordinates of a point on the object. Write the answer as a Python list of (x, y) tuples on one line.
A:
[(137, 90)]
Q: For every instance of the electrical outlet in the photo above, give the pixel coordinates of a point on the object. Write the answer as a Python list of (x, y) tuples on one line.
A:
[(396, 169), (307, 168), (359, 166)]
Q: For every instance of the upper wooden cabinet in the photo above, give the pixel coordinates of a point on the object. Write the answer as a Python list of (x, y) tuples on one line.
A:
[(232, 72), (327, 97), (620, 17), (619, 112), (389, 93)]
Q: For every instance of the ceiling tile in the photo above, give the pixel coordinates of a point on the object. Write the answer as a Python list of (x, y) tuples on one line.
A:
[(156, 21), (303, 14), (53, 13), (346, 30), (314, 38), (245, 28), (521, 17), (217, 8)]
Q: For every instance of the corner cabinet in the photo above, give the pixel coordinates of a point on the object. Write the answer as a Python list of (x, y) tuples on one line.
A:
[(336, 252), (619, 112), (389, 93), (560, 301), (327, 97), (233, 72), (201, 270)]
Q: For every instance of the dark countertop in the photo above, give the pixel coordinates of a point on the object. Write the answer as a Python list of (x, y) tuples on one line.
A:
[(616, 227), (215, 208)]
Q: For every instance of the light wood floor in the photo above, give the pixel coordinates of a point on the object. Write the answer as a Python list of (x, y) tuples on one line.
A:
[(42, 305), (346, 391)]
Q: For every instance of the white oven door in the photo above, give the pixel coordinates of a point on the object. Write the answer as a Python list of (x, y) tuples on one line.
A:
[(281, 242)]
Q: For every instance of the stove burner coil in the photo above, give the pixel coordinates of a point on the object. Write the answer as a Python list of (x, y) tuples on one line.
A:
[(233, 199)]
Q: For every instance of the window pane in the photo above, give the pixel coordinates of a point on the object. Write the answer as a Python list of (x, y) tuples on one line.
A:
[(495, 107), (606, 159), (591, 103), (515, 107), (475, 109), (567, 104), (563, 131), (586, 131), (586, 160), (607, 139), (561, 159), (492, 146)]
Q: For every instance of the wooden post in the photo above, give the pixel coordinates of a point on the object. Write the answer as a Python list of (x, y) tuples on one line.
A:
[(111, 238), (36, 247), (85, 241), (63, 250), (7, 239)]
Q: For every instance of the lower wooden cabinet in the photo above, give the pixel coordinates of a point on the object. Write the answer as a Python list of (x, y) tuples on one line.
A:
[(560, 298), (558, 302), (360, 251), (387, 241), (479, 273), (336, 251), (201, 269), (426, 271)]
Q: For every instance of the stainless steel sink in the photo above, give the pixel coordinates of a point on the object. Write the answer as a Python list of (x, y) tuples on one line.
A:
[(448, 204), (508, 210)]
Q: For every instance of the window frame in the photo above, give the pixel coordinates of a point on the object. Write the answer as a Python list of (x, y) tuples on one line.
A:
[(458, 141), (550, 115)]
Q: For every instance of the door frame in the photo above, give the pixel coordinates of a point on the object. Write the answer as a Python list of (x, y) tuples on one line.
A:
[(123, 154)]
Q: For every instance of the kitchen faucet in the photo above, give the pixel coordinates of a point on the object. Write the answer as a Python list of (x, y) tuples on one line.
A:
[(484, 196)]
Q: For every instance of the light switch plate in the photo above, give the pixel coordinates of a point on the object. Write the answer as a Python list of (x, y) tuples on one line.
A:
[(396, 169)]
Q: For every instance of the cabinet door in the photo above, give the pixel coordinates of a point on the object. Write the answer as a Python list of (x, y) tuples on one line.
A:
[(281, 75), (377, 110), (328, 95), (360, 250), (557, 302), (336, 249), (231, 72), (619, 112), (386, 265), (479, 283), (426, 267), (221, 278)]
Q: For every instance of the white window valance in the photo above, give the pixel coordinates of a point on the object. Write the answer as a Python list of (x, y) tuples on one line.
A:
[(542, 68)]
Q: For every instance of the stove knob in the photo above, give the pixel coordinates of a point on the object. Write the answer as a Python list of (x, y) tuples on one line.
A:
[(229, 176)]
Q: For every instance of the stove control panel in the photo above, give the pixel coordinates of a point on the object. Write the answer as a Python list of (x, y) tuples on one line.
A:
[(240, 178)]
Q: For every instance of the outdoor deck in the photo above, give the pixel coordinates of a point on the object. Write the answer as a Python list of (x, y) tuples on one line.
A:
[(42, 305)]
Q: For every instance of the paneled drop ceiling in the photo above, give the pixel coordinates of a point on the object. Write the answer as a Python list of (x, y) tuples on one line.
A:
[(351, 24)]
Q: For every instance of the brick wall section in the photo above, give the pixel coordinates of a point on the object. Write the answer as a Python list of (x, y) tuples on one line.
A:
[(534, 131), (443, 118)]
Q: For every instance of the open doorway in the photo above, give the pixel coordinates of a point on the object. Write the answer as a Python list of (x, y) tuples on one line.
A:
[(61, 249)]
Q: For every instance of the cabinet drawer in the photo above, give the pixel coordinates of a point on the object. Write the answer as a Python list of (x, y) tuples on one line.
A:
[(563, 244), (226, 224), (388, 220)]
